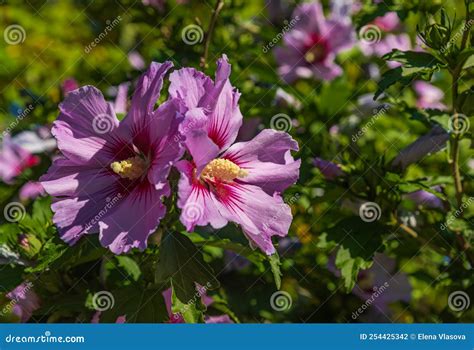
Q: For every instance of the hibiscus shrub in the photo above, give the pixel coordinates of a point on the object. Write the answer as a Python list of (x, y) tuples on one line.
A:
[(236, 161)]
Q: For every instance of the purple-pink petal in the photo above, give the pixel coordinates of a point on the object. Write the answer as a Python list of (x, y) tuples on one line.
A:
[(268, 160)]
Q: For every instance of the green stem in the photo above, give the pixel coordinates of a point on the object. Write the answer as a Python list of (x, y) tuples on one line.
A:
[(210, 30), (458, 186)]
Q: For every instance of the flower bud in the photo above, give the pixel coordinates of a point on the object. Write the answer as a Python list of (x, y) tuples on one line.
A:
[(437, 36)]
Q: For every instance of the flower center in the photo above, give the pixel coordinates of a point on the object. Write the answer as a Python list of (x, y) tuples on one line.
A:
[(131, 168), (316, 49), (222, 169)]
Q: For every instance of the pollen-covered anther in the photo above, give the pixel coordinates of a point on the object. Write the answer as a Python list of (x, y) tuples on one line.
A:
[(223, 169), (131, 168)]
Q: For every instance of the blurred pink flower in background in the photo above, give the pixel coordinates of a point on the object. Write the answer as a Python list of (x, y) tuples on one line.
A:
[(24, 301), (329, 169), (311, 46), (429, 96), (136, 60), (69, 85), (31, 190), (388, 22), (14, 159)]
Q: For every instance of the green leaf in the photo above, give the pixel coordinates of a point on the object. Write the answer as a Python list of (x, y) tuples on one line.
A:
[(414, 59), (11, 277), (39, 222), (415, 65), (350, 267), (139, 305), (391, 77), (222, 306), (9, 234), (466, 58), (358, 241), (51, 251), (333, 95), (255, 256), (86, 250), (182, 264), (192, 311), (130, 266)]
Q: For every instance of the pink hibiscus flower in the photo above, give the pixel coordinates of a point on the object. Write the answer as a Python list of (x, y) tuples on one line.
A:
[(113, 175), (224, 182), (311, 46)]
